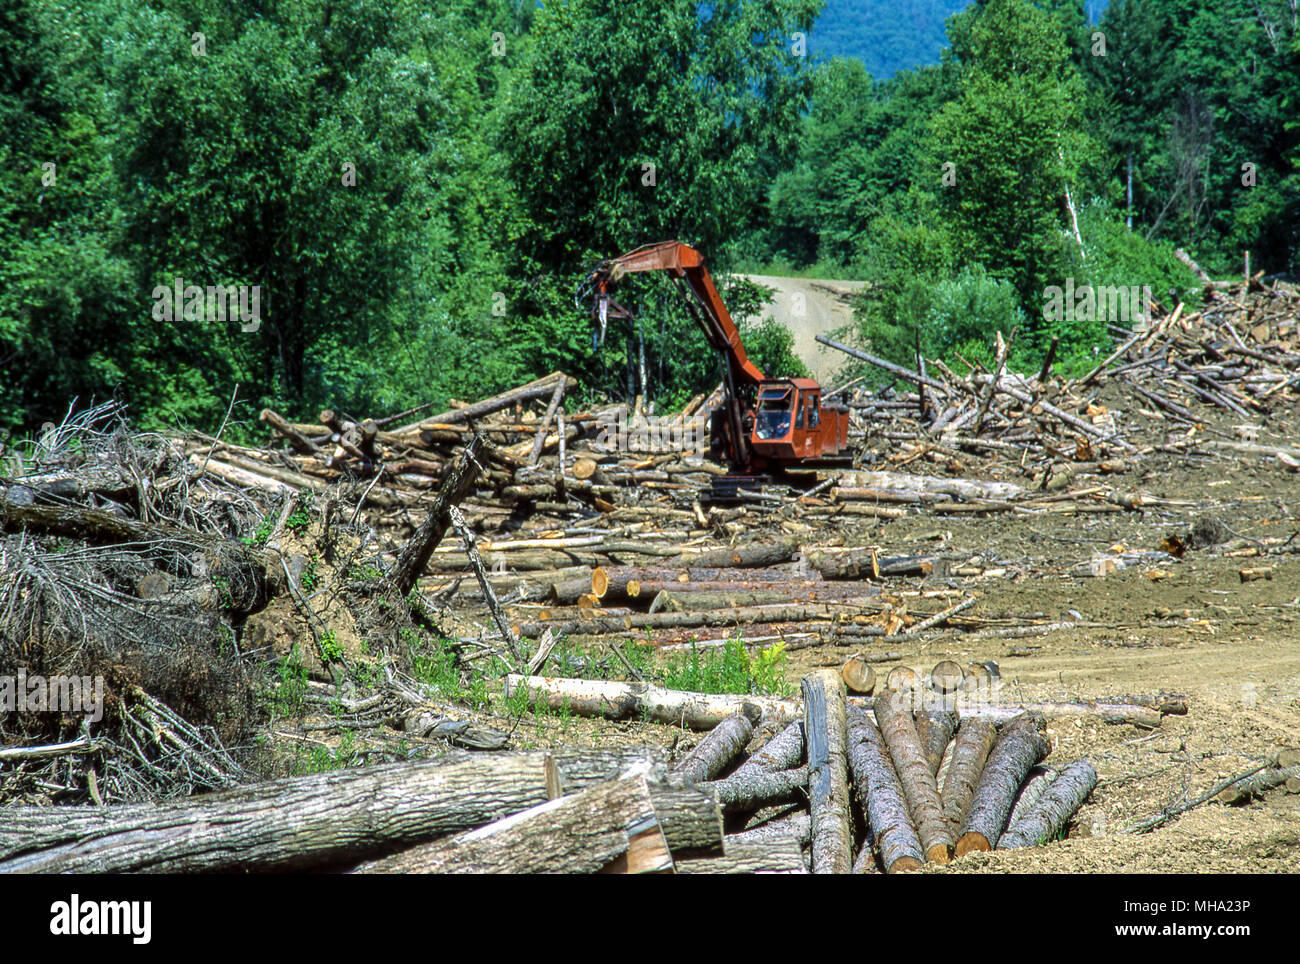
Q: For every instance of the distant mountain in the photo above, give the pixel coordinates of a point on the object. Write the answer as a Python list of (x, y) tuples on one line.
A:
[(892, 35), (886, 35)]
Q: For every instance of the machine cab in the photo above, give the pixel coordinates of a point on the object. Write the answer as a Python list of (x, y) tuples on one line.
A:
[(787, 419)]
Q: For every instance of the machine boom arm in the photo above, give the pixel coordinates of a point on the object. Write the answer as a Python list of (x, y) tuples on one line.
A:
[(686, 264)]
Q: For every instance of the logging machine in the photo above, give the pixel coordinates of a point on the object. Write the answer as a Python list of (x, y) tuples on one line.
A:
[(765, 426)]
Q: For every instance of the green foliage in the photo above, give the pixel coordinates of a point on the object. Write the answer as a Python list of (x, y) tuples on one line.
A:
[(729, 669), (290, 695), (966, 312), (330, 648), (433, 661)]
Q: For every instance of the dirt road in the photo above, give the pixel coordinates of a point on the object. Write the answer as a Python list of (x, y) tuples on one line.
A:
[(810, 307)]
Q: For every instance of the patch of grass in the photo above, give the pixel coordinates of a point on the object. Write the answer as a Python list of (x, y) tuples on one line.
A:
[(292, 692), (730, 669), (433, 661), (320, 759)]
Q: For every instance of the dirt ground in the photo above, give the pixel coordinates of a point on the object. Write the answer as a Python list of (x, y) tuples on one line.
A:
[(1186, 625)]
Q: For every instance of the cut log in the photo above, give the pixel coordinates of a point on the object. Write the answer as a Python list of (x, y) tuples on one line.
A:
[(745, 793), (1019, 746), (703, 711), (889, 826), (796, 826), (783, 751), (744, 557), (902, 679), (946, 677), (825, 729), (970, 750), (415, 555), (858, 675), (1054, 808), (322, 820), (690, 818), (1038, 780), (935, 728), (724, 743), (578, 834), (1243, 790), (776, 856), (540, 388), (897, 726)]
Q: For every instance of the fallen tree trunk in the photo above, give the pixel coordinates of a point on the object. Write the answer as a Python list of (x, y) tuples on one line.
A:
[(775, 856), (539, 388), (578, 834), (1054, 808), (782, 752), (797, 826), (894, 715), (743, 557), (415, 555), (1243, 790), (321, 820), (703, 711), (935, 728), (825, 729), (969, 752), (715, 752), (751, 791), (1039, 779), (1019, 746), (890, 831)]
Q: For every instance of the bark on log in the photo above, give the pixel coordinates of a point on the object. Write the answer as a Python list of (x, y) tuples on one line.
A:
[(1243, 790), (743, 793), (322, 820), (1038, 780), (783, 751), (578, 834), (682, 601), (825, 728), (540, 388), (415, 555), (715, 752), (1019, 746), (703, 711), (890, 830), (744, 557), (894, 715), (777, 856), (1054, 808), (935, 728), (969, 752), (796, 826)]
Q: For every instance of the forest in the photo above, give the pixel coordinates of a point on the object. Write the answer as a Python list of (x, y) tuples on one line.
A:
[(412, 191)]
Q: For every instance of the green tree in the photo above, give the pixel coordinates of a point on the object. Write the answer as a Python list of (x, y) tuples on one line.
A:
[(630, 124)]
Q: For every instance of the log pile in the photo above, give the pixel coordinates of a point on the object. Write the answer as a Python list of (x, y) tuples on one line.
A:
[(843, 764), (1237, 358)]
